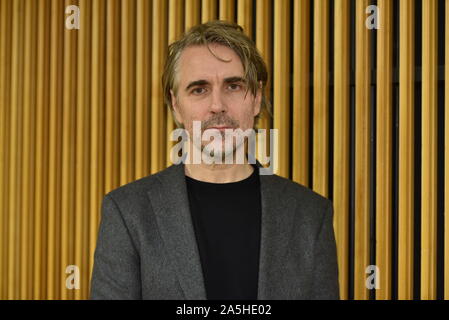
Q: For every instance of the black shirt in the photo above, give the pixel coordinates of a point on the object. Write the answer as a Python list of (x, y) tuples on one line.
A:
[(226, 219)]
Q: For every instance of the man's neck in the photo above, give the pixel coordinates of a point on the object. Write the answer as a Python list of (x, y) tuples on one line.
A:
[(218, 173)]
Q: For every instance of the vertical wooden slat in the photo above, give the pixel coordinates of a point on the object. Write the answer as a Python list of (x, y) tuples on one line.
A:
[(244, 16), (54, 190), (341, 141), (112, 95), (208, 10), (446, 159), (28, 151), (82, 149), (321, 97), (158, 112), (227, 8), (384, 114), (97, 102), (41, 140), (429, 150), (192, 14), (175, 29), (406, 148), (127, 77), (143, 51), (67, 212), (15, 135), (5, 90), (264, 43), (362, 151), (301, 87), (281, 92)]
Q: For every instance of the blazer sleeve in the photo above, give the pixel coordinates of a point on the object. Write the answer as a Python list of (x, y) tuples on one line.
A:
[(116, 270), (326, 286)]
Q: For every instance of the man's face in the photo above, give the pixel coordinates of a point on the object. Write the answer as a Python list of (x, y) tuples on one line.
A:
[(213, 91)]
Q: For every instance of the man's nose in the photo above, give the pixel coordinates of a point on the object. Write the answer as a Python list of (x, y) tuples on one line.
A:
[(217, 103)]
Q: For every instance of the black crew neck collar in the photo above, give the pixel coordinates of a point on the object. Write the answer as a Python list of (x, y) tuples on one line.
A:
[(249, 179)]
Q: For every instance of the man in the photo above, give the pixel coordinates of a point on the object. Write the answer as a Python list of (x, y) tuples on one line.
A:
[(215, 230)]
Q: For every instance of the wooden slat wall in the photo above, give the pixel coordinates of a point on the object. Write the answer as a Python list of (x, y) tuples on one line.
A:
[(42, 136), (127, 94), (81, 113), (55, 147), (245, 15), (97, 131), (192, 13), (341, 141), (208, 10), (362, 150), (83, 128), (5, 91), (406, 148), (175, 29), (15, 135), (281, 83), (159, 49), (384, 115), (264, 42), (112, 95), (69, 145), (301, 88), (320, 97), (429, 151), (227, 10), (28, 149)]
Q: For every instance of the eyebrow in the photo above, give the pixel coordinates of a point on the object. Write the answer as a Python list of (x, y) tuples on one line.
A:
[(204, 82)]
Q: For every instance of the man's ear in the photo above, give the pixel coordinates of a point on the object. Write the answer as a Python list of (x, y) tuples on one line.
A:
[(175, 107), (258, 99)]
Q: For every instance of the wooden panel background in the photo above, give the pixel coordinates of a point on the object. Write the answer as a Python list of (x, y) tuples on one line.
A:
[(361, 116)]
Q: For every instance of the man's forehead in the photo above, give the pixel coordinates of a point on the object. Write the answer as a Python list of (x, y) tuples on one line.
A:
[(197, 62), (202, 50)]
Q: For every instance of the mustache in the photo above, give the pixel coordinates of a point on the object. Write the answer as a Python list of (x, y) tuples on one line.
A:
[(220, 120)]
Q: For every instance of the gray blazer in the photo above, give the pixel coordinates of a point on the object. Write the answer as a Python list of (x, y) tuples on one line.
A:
[(146, 247)]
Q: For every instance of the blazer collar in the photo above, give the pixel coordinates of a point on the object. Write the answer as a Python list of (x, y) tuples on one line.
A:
[(169, 198)]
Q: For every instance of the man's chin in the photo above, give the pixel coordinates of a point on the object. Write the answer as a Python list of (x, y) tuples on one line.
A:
[(217, 155)]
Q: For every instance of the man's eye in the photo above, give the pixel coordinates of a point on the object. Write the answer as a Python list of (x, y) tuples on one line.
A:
[(198, 90), (234, 86)]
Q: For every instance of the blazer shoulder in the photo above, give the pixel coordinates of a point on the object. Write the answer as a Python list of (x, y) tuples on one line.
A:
[(300, 192), (137, 188)]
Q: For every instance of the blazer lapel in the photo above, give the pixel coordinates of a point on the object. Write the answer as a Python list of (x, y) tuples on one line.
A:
[(276, 231), (171, 207)]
